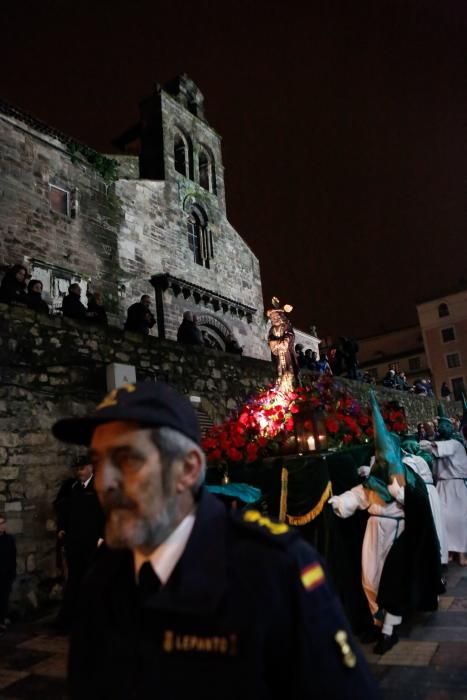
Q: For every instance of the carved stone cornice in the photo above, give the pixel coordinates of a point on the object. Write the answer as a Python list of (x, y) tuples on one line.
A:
[(165, 281)]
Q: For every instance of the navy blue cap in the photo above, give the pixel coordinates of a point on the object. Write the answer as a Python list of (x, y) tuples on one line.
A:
[(151, 404)]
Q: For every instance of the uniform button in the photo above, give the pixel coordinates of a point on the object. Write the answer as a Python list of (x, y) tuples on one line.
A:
[(348, 657)]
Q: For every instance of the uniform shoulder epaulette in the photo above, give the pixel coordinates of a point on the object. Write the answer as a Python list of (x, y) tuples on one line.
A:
[(263, 526), (280, 534)]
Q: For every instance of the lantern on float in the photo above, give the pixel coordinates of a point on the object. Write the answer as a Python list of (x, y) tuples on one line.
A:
[(310, 430)]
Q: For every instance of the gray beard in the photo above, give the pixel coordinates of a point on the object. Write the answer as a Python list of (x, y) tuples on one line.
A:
[(142, 533)]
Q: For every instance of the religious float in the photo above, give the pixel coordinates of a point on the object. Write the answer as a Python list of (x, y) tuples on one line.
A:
[(294, 444)]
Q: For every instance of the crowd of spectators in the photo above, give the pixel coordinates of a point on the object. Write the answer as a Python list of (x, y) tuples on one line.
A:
[(429, 430), (140, 319), (14, 290), (339, 359), (398, 381)]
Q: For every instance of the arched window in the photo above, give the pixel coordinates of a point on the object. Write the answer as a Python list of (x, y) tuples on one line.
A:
[(183, 153), (180, 155), (199, 236), (203, 166), (215, 333), (206, 170), (443, 310)]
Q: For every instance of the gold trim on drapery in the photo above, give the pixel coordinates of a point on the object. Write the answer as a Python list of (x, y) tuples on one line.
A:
[(306, 517), (314, 512), (284, 491)]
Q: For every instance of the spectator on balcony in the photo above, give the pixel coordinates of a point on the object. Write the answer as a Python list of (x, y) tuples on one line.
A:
[(96, 310), (350, 349), (420, 387), (72, 307), (34, 298), (401, 382), (445, 391), (311, 360), (389, 380), (368, 378), (188, 332), (337, 357), (139, 317), (301, 358), (13, 286), (323, 365)]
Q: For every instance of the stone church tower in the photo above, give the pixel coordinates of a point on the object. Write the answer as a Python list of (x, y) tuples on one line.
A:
[(149, 221)]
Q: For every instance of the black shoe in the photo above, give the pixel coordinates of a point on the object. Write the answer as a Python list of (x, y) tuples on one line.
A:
[(371, 634), (61, 627), (385, 643)]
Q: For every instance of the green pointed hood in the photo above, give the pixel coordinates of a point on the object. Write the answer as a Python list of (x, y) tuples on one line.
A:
[(388, 462), (385, 448), (411, 446), (445, 427)]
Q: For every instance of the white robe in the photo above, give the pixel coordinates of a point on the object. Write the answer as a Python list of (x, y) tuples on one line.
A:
[(383, 527), (420, 467), (451, 472)]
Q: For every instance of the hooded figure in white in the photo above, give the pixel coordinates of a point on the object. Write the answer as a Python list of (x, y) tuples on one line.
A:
[(382, 494), (451, 474), (412, 457)]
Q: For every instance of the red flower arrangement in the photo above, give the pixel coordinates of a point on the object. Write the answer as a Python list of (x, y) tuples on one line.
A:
[(265, 424)]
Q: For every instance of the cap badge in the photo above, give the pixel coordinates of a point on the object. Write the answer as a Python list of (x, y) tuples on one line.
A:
[(112, 398)]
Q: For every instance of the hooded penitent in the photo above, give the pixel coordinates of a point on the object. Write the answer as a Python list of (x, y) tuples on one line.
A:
[(388, 464), (412, 571), (445, 427), (411, 446)]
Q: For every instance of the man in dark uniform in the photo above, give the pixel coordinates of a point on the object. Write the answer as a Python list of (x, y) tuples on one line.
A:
[(7, 570), (80, 526), (186, 596)]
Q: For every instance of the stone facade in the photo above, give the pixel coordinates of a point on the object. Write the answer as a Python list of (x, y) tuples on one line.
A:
[(64, 215), (54, 367)]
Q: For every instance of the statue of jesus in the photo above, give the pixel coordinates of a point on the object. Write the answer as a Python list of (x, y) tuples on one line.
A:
[(281, 341)]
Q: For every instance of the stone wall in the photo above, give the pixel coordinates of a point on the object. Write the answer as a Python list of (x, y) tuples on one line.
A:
[(55, 367), (82, 245)]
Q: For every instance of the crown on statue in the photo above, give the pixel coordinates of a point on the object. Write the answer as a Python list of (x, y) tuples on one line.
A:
[(276, 308)]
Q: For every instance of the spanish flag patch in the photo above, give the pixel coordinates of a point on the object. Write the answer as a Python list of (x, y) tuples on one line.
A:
[(312, 576)]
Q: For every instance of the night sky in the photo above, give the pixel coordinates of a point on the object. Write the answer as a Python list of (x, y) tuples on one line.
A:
[(344, 130)]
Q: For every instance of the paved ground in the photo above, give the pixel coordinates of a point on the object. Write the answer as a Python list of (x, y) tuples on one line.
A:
[(429, 663)]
